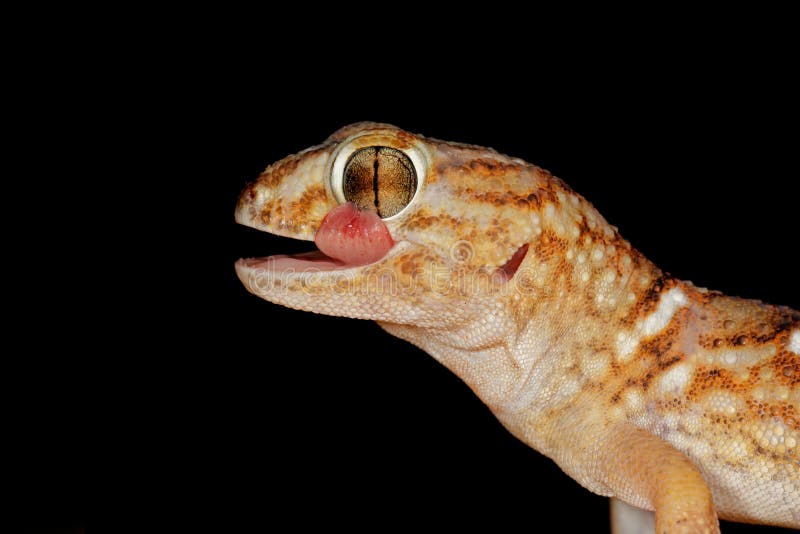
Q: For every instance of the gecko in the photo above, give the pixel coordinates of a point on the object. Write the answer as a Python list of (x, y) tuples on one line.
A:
[(678, 402)]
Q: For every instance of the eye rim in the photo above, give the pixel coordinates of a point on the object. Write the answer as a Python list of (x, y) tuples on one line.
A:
[(342, 154)]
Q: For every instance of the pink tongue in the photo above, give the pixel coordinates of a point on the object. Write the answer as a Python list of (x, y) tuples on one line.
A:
[(353, 236)]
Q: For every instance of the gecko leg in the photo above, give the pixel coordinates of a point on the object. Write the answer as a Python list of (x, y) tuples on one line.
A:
[(648, 472)]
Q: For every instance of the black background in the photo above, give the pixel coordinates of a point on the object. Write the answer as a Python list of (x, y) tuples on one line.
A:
[(179, 400)]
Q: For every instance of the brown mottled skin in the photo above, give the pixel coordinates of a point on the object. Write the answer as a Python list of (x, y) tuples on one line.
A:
[(640, 386)]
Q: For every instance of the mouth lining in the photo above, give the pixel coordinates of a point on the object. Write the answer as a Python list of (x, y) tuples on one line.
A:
[(290, 252), (305, 261)]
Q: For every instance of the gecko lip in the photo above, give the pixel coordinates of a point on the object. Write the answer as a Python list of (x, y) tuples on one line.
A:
[(312, 262)]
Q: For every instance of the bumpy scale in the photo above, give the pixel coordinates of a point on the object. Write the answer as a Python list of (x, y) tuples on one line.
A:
[(642, 387)]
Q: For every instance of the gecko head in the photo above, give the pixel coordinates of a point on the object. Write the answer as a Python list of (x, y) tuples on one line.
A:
[(410, 230)]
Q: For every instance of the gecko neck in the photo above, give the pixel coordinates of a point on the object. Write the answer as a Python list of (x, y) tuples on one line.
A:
[(569, 311), (564, 303)]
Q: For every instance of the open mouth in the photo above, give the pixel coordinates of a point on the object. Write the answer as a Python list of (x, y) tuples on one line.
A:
[(347, 237)]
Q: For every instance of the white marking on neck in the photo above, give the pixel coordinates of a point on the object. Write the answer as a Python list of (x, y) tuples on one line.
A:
[(670, 303), (675, 380), (794, 342)]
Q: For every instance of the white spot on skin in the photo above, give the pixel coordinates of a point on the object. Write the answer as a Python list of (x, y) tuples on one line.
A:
[(743, 375), (742, 358), (626, 345), (721, 402), (794, 342), (568, 388), (674, 381), (633, 400), (670, 302)]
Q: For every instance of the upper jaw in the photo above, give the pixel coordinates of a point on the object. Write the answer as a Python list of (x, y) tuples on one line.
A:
[(256, 210), (290, 197)]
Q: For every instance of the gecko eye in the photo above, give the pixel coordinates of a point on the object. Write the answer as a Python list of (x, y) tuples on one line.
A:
[(379, 178)]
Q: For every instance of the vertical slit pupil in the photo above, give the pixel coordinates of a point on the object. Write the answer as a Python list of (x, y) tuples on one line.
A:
[(379, 178), (375, 174)]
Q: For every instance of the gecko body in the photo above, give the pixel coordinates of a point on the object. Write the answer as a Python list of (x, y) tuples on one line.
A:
[(640, 386)]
